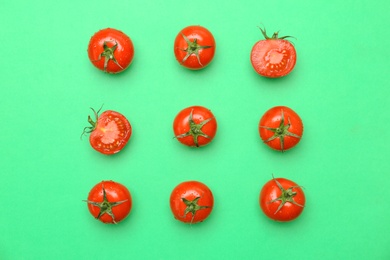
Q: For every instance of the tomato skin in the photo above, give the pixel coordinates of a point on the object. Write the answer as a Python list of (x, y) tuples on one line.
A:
[(114, 192), (190, 191), (200, 115), (273, 57), (122, 55), (289, 211), (273, 119), (205, 47), (110, 133)]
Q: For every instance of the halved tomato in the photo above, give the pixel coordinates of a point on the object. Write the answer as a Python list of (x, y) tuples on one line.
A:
[(109, 133)]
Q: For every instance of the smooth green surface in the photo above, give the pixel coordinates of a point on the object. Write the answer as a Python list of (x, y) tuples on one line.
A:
[(340, 88)]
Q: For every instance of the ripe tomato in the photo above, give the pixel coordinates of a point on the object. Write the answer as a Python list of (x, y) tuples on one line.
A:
[(110, 50), (109, 133), (191, 202), (195, 126), (109, 202), (281, 128), (194, 47), (282, 199), (273, 57)]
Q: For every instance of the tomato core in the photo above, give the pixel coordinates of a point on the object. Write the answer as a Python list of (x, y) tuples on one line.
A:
[(274, 57), (111, 133)]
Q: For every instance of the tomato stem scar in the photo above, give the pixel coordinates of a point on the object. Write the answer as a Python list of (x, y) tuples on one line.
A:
[(192, 207), (193, 49), (281, 131), (286, 196), (195, 129), (105, 206), (108, 54)]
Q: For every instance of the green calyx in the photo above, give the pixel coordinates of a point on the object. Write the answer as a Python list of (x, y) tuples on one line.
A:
[(274, 36), (89, 129), (280, 132), (286, 196), (105, 206), (193, 48), (195, 130), (192, 207), (108, 54)]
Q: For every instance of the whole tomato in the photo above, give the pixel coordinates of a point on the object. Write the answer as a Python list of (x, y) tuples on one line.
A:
[(109, 133), (110, 50), (273, 57), (281, 128), (191, 202), (281, 199), (195, 126), (109, 202), (194, 47)]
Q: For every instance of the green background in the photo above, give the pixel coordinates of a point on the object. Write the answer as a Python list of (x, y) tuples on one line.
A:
[(339, 87)]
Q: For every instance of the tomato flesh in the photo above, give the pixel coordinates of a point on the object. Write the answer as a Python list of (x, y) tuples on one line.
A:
[(111, 133)]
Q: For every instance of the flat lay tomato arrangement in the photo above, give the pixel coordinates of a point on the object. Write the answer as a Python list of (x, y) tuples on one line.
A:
[(191, 202)]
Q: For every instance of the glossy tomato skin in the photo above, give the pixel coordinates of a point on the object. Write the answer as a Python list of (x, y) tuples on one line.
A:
[(191, 202), (195, 126), (116, 194), (281, 128), (273, 57), (117, 46), (194, 47), (269, 202), (110, 133)]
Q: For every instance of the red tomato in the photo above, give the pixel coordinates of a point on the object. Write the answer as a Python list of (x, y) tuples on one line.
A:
[(109, 202), (281, 128), (109, 133), (273, 57), (194, 47), (191, 202), (110, 50), (282, 199), (195, 126)]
